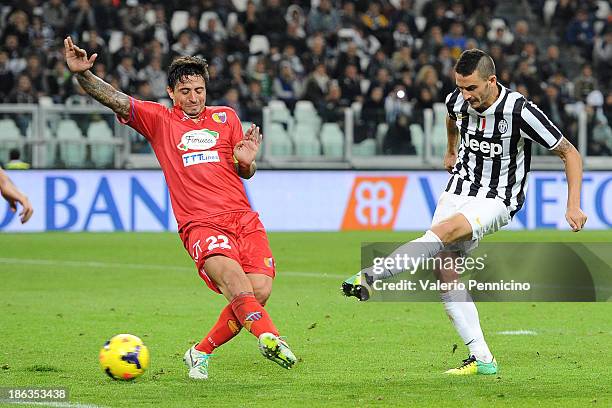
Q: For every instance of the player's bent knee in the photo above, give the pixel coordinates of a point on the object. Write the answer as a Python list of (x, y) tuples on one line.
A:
[(453, 229), (262, 295)]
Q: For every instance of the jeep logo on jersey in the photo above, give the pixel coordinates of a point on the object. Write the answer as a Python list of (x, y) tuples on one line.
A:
[(487, 147), (201, 139)]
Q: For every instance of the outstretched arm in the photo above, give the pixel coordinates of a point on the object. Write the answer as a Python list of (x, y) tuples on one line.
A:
[(573, 172), (14, 196), (79, 64)]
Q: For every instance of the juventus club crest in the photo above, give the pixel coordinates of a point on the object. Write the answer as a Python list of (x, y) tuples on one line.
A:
[(502, 126)]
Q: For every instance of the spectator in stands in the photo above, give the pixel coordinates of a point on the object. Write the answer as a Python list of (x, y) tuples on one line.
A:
[(331, 109), (144, 91), (349, 57), (398, 139), (527, 76), (18, 26), (565, 11), (553, 107), (15, 162), (350, 84), (6, 75), (183, 47), (286, 86), (126, 74), (107, 18), (254, 103), (479, 35), (377, 23), (58, 82), (602, 56), (581, 32), (323, 19), (237, 41), (35, 72), (456, 40), (316, 84), (250, 19), (402, 59), (405, 14), (97, 46), (154, 74), (214, 32), (55, 13), (383, 80), (397, 103), (585, 83), (232, 99), (402, 36), (289, 55), (23, 93), (550, 63), (348, 15), (260, 73), (295, 37), (133, 21), (127, 49), (521, 36), (372, 113), (427, 78), (237, 79), (160, 29), (82, 18), (272, 21), (434, 41), (317, 53)]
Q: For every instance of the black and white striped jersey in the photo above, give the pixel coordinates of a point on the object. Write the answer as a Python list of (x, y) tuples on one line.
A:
[(495, 146)]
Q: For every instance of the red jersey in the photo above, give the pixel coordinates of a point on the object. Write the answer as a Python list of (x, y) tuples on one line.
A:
[(197, 158)]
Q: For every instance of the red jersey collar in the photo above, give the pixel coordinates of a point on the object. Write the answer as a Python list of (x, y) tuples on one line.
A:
[(178, 111)]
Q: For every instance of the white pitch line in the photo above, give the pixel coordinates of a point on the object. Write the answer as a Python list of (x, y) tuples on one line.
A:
[(518, 333), (56, 404), (114, 265)]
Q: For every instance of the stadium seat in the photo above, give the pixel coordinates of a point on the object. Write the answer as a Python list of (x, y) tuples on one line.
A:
[(8, 129), (280, 114), (259, 44), (102, 154), (71, 143), (332, 140), (438, 140), (179, 21), (306, 142), (279, 143), (210, 15), (365, 148), (381, 131), (418, 138), (305, 113)]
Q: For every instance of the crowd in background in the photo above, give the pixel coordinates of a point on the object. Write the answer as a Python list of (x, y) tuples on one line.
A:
[(393, 59)]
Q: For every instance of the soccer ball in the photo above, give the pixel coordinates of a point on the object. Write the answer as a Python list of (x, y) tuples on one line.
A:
[(124, 357)]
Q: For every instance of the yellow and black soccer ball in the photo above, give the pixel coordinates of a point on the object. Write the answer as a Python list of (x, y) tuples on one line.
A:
[(124, 357)]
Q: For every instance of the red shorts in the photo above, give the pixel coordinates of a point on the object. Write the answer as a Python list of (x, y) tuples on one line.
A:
[(239, 236)]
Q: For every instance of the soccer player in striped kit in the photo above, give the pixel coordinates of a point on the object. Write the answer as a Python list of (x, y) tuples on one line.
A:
[(490, 130)]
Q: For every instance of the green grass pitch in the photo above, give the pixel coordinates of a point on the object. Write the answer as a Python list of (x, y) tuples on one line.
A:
[(63, 295)]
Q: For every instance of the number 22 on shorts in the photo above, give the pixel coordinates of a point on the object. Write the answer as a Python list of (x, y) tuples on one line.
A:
[(214, 242)]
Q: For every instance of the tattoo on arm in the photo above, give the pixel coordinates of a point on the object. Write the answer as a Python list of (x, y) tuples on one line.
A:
[(105, 93), (563, 147)]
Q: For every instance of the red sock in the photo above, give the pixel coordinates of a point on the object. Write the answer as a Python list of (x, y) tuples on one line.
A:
[(223, 331), (252, 315)]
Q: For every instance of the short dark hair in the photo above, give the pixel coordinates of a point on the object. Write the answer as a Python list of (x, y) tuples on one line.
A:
[(475, 60), (183, 67)]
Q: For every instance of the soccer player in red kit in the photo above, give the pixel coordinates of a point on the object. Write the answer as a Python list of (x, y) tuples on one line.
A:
[(203, 154)]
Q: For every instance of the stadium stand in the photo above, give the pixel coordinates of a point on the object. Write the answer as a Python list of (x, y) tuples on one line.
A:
[(308, 62)]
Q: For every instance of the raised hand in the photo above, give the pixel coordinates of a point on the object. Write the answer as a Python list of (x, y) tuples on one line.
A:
[(245, 151), (76, 57)]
